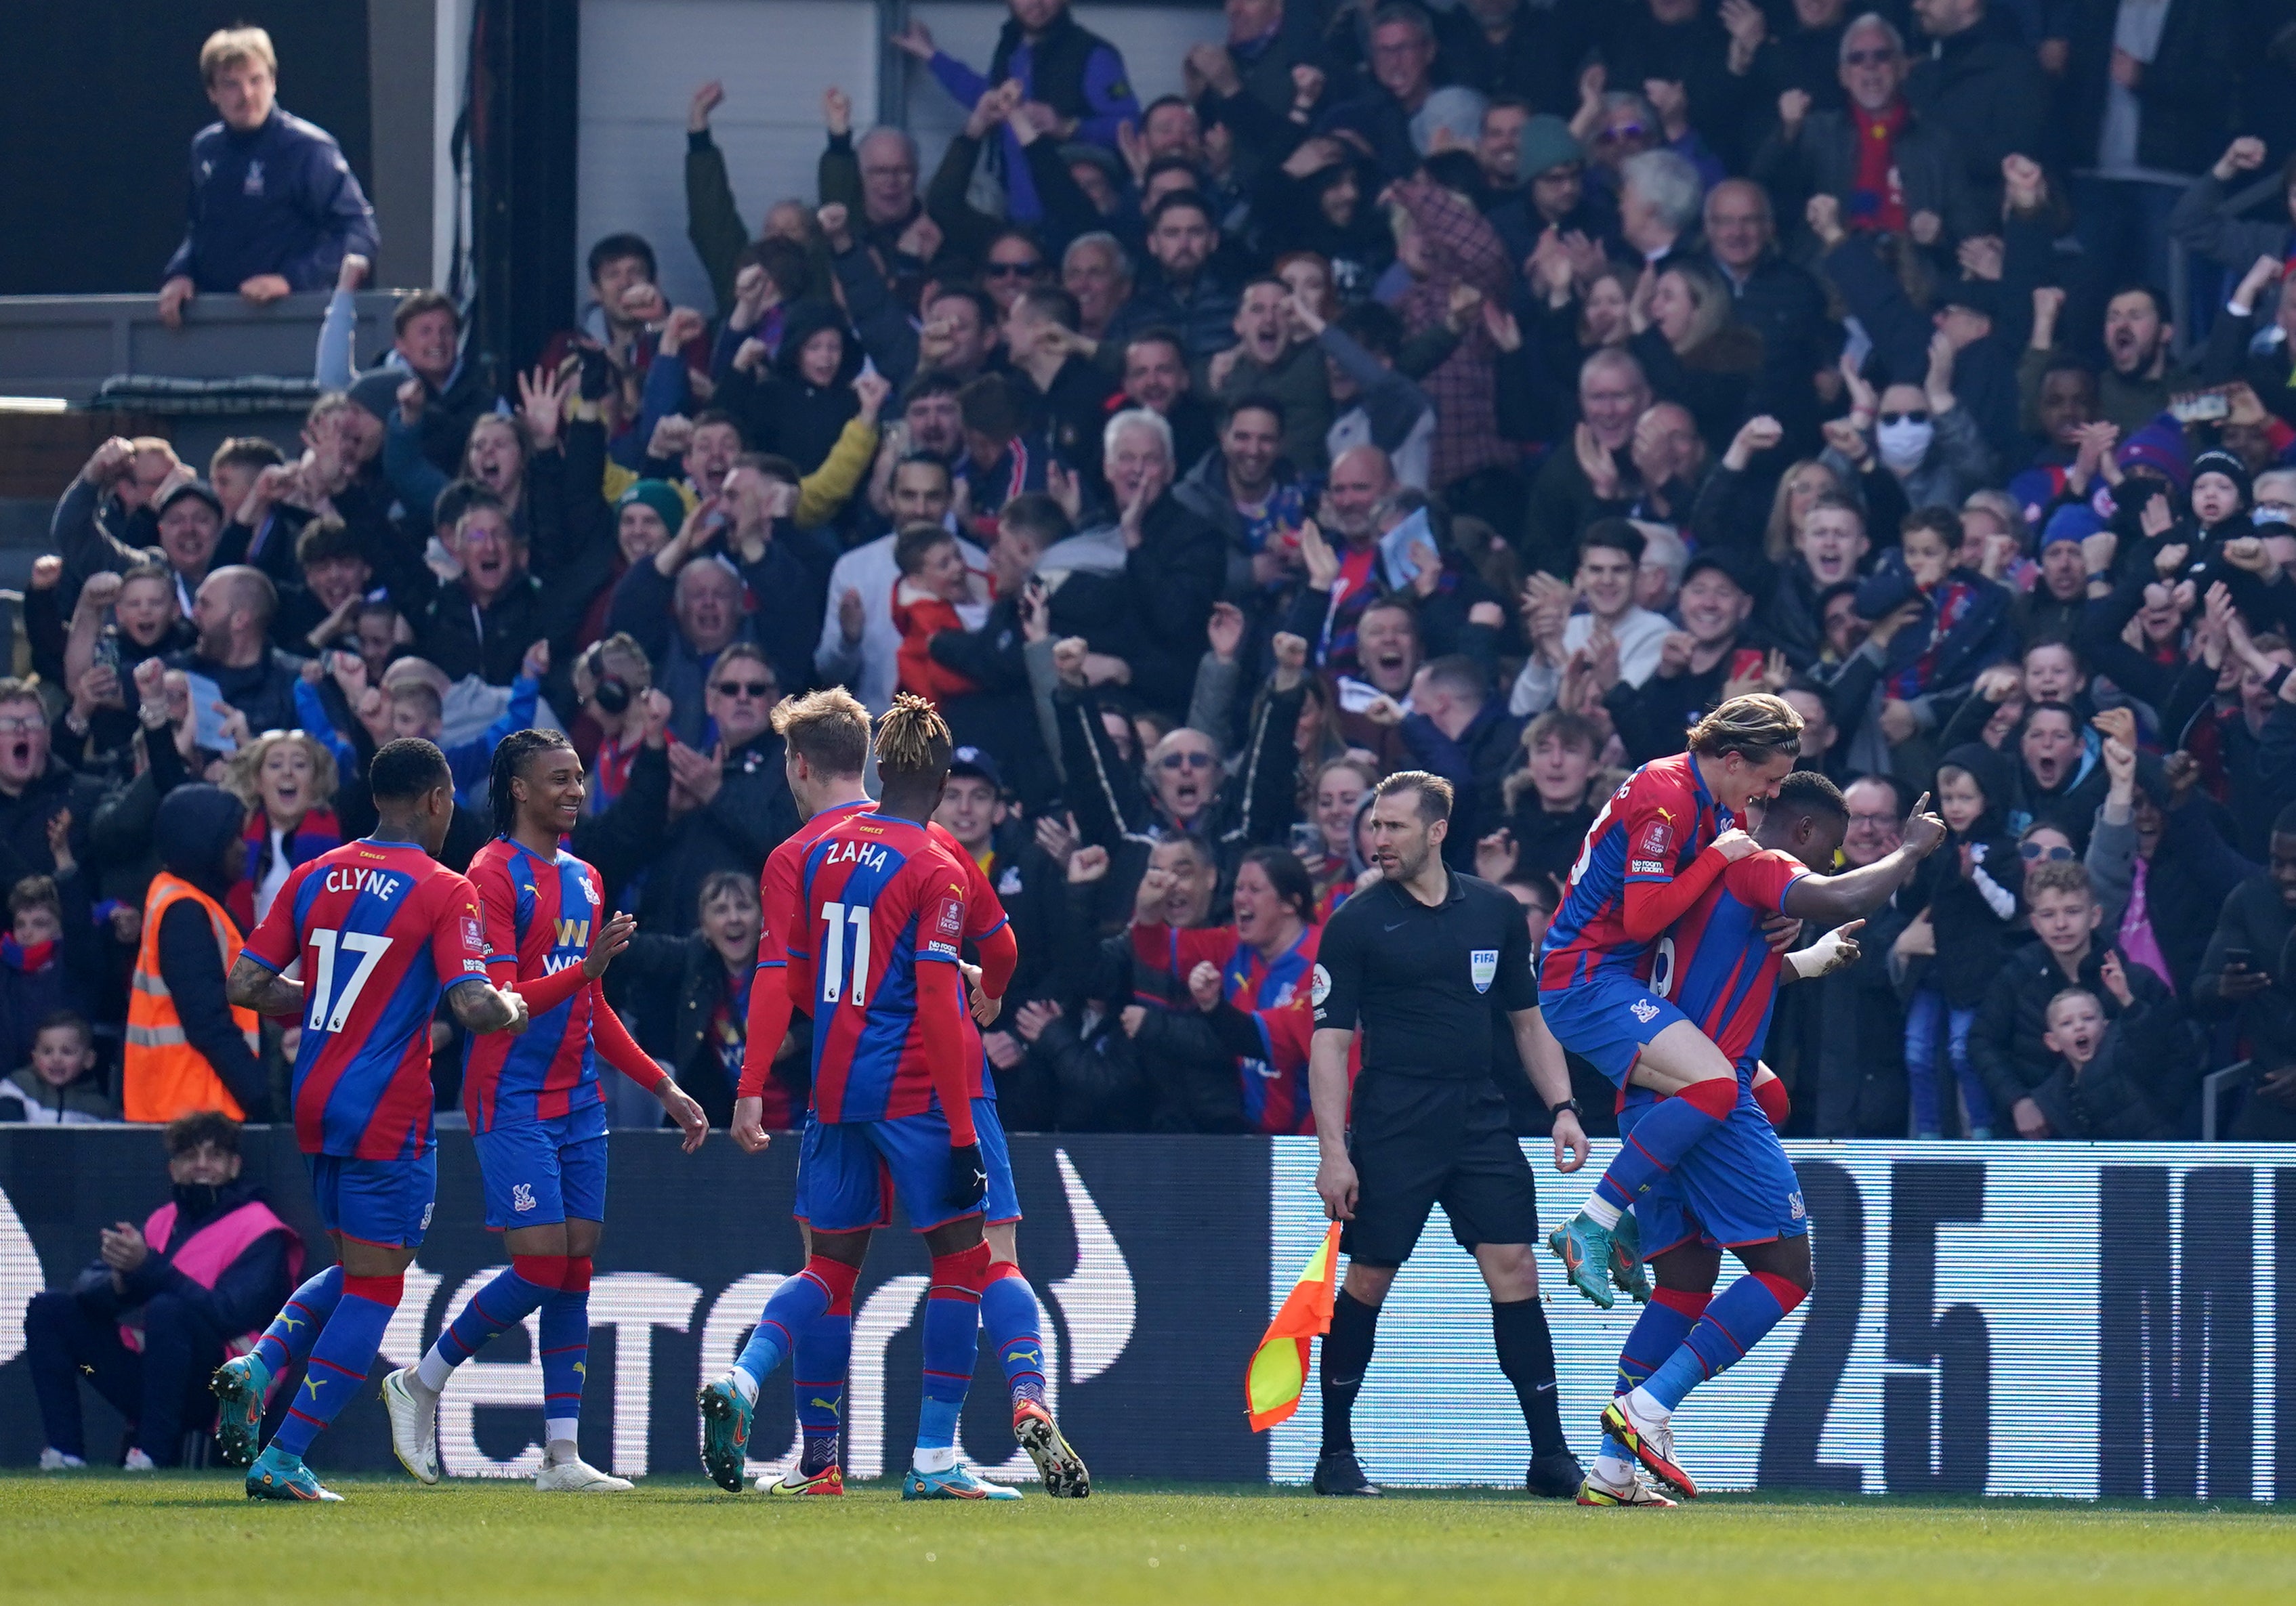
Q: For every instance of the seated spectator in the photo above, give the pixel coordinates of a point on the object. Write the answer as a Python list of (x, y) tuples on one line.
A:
[(287, 781), (187, 1049), (1156, 378), (1891, 171), (1626, 638), (1549, 798), (100, 655), (1268, 360), (1144, 600), (323, 610), (1591, 481), (59, 1087), (2160, 864), (1708, 661), (233, 614), (1254, 494), (1969, 894), (1097, 271), (1003, 454), (1076, 77), (728, 804), (1182, 288), (1067, 391), (2008, 1046), (50, 961), (1958, 624), (2126, 1079), (1372, 403), (1829, 550), (274, 207), (800, 407), (609, 677), (702, 1035), (1928, 443), (1660, 197), (1696, 352), (934, 594)]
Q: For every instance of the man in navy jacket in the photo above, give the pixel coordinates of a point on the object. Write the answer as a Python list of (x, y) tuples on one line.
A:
[(274, 205)]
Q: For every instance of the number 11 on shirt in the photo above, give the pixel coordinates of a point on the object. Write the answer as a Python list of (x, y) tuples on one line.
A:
[(832, 955)]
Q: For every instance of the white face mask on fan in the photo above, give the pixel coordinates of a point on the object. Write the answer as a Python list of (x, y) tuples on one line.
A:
[(1905, 443)]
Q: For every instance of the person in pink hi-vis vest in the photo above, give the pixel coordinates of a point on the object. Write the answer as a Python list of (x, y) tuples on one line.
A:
[(163, 1304)]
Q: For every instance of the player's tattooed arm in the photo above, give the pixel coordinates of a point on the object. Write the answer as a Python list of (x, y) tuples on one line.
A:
[(257, 987), (488, 1009)]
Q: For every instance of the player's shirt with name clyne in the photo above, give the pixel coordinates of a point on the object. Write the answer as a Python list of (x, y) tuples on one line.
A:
[(540, 913), (885, 916), (1653, 826), (1715, 963), (382, 929)]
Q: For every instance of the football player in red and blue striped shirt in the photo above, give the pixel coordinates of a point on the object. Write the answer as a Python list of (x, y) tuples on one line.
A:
[(1658, 844), (896, 1068), (1737, 1190), (537, 1111), (381, 929), (827, 739)]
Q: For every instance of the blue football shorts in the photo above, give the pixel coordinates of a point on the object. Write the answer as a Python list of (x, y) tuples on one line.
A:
[(380, 1201), (850, 1173), (1736, 1188), (535, 1173), (1607, 1018)]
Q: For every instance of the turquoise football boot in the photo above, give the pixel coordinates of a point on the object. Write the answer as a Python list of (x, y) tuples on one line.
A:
[(957, 1483)]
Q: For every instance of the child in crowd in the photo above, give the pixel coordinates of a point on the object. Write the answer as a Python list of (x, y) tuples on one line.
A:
[(41, 972), (935, 592), (1970, 886), (2127, 1077), (59, 1087), (1961, 620), (1003, 457)]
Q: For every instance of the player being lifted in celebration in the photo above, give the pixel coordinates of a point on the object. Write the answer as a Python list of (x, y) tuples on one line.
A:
[(537, 1111), (825, 737), (875, 960), (1661, 842), (1735, 1190), (379, 928), (1418, 962)]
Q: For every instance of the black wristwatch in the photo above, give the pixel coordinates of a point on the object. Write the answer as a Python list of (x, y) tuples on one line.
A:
[(1554, 1110)]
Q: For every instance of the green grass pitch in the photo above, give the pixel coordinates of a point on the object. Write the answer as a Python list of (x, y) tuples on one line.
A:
[(88, 1538)]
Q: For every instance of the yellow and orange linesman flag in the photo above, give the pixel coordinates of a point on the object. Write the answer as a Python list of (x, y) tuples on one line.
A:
[(1279, 1367)]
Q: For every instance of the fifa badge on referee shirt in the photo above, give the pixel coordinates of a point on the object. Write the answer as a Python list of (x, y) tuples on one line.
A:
[(1482, 967)]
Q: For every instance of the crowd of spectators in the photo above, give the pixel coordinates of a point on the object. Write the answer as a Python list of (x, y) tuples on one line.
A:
[(1488, 389)]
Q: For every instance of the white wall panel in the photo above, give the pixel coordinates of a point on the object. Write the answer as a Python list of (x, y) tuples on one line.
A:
[(641, 62)]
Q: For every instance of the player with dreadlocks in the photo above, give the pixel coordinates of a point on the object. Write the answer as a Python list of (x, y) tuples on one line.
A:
[(873, 956), (825, 737), (538, 1113)]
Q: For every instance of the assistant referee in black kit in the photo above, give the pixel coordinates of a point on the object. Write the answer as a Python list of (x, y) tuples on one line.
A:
[(1421, 961)]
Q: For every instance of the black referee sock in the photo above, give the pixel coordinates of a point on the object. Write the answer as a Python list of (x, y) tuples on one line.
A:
[(1347, 1356), (1527, 1356)]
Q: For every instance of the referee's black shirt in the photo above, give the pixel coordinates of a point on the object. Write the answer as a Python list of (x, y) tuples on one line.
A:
[(1421, 981)]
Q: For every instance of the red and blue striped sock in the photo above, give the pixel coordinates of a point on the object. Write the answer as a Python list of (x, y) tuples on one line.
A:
[(1657, 1333), (1738, 1319), (818, 1365), (799, 1301), (952, 1348), (296, 1328), (1011, 1319), (341, 1359), (503, 1303), (565, 1346), (1669, 1130)]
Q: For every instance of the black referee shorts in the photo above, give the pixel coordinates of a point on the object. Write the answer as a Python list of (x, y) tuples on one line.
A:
[(1420, 1142)]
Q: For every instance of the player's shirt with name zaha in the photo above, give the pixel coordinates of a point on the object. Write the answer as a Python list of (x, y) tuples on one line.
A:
[(1660, 820), (781, 901), (1715, 963), (885, 918), (540, 913), (382, 929)]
